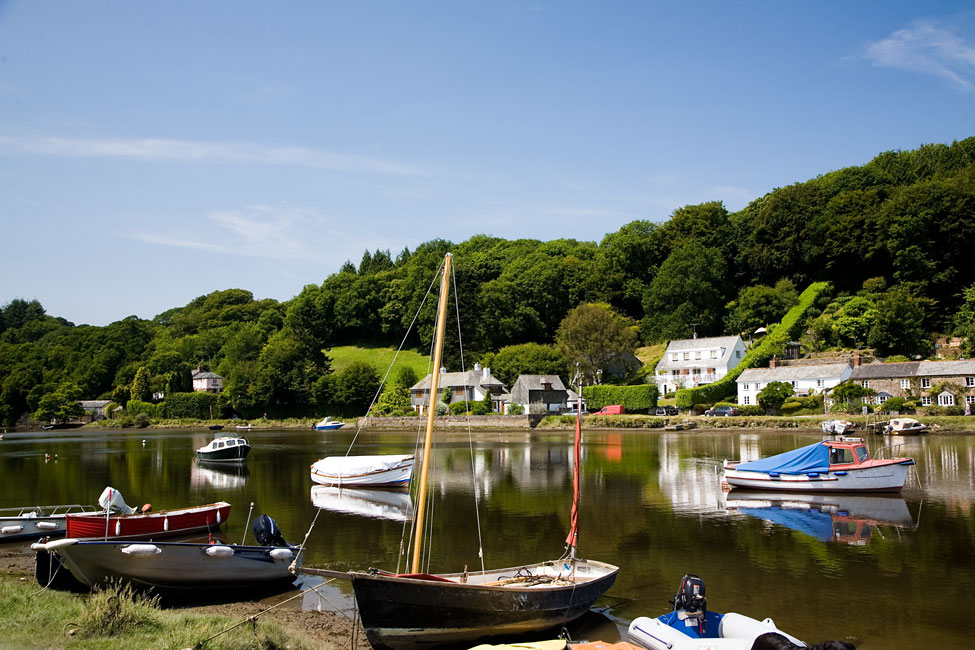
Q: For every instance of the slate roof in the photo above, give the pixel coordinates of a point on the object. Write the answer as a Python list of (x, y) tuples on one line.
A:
[(526, 384), (95, 403), (690, 345), (454, 379), (204, 374), (790, 373), (914, 369)]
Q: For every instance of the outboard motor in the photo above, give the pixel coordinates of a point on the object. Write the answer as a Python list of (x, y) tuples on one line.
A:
[(690, 596), (111, 499), (266, 532)]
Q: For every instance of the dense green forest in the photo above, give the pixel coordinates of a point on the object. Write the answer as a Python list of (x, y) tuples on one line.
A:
[(889, 236)]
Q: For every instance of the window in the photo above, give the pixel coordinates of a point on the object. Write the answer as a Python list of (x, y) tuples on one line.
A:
[(697, 354), (906, 384), (970, 399), (865, 383), (745, 400), (946, 399), (738, 354), (840, 456), (687, 356), (697, 371), (925, 382), (794, 383), (862, 454), (926, 401), (865, 400), (714, 354), (970, 381), (819, 383), (674, 356)]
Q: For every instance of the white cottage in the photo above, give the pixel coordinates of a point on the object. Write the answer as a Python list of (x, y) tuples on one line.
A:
[(689, 363), (805, 379)]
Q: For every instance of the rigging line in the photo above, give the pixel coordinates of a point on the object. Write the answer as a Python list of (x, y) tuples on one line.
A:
[(470, 437), (390, 368), (301, 548)]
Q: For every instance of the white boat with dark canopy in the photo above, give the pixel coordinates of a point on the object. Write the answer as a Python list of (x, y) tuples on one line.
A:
[(224, 448), (183, 566), (841, 465), (31, 522), (419, 609)]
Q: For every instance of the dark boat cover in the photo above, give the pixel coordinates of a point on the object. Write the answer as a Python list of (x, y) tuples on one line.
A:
[(812, 458)]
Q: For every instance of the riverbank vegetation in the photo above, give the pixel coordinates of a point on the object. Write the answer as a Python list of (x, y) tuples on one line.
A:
[(119, 619), (886, 242)]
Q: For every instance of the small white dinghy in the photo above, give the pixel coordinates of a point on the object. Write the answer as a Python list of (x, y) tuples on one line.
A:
[(691, 627), (389, 470)]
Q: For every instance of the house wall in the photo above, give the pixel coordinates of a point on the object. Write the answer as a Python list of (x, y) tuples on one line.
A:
[(701, 369), (748, 390)]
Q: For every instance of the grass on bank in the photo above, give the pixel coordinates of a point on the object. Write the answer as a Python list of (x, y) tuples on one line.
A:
[(379, 358), (118, 619)]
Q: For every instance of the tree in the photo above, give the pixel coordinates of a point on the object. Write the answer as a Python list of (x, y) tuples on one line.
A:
[(760, 305), (965, 320), (849, 394), (773, 396), (526, 359), (591, 336), (394, 400), (60, 405), (141, 387), (899, 324), (690, 288), (355, 388)]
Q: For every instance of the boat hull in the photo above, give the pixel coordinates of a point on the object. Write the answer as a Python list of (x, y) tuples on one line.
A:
[(328, 427), (176, 565), (404, 613), (393, 474), (152, 524), (888, 477), (32, 522), (236, 454)]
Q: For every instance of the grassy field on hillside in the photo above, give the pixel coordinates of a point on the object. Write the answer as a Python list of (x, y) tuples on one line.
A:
[(379, 358)]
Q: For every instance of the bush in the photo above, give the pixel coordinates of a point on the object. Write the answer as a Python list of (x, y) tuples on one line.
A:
[(116, 609), (699, 409), (142, 420), (135, 407), (790, 408), (788, 329), (516, 409), (752, 410), (635, 399), (461, 407), (442, 408), (196, 405), (899, 404)]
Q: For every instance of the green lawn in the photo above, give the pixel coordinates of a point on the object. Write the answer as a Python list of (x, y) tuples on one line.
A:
[(379, 358)]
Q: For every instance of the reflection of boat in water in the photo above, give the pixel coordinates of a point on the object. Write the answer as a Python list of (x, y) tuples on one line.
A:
[(847, 518), (222, 476), (378, 504)]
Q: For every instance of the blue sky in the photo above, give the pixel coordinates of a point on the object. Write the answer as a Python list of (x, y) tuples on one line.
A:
[(154, 152)]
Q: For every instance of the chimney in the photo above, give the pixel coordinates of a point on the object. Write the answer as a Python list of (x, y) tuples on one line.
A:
[(856, 358), (772, 362), (443, 370), (487, 372), (477, 367)]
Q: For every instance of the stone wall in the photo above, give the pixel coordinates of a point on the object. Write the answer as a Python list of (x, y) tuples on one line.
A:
[(453, 422)]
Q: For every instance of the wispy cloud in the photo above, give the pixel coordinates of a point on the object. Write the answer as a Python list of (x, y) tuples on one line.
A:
[(928, 49), (158, 150)]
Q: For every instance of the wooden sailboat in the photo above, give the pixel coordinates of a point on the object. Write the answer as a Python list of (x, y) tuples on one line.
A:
[(416, 609)]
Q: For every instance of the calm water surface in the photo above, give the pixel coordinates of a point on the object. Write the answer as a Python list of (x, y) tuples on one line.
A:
[(882, 572)]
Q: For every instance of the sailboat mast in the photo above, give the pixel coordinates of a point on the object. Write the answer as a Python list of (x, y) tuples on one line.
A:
[(421, 500), (573, 538)]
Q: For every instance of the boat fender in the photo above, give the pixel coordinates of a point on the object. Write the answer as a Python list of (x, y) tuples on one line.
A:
[(281, 554), (146, 508), (773, 475), (118, 527), (653, 634), (10, 530), (218, 517), (219, 550), (813, 474), (46, 525), (740, 626), (142, 550), (840, 473), (166, 524)]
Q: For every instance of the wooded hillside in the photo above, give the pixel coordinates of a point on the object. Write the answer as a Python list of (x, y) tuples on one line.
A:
[(890, 236)]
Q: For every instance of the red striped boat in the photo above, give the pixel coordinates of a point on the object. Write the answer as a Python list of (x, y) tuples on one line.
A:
[(140, 525)]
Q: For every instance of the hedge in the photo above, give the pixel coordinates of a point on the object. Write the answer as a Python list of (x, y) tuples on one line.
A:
[(635, 399), (791, 327), (192, 405)]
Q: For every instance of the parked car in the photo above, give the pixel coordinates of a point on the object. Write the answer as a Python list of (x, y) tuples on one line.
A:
[(614, 409), (666, 410), (721, 411)]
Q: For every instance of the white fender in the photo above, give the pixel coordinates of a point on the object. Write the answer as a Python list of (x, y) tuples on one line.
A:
[(10, 530), (53, 546), (219, 550), (281, 554), (218, 517), (118, 527), (46, 525), (142, 550), (166, 524)]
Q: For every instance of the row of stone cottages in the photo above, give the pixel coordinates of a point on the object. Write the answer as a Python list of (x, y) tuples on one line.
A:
[(694, 362)]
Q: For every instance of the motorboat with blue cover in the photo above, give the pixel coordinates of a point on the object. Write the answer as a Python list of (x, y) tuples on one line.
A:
[(840, 465), (690, 626)]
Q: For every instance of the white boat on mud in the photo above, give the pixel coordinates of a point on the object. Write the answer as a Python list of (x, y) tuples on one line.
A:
[(31, 522), (328, 424), (837, 427), (904, 427), (841, 465), (390, 470)]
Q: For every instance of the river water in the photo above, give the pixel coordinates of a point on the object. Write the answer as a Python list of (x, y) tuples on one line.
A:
[(881, 572)]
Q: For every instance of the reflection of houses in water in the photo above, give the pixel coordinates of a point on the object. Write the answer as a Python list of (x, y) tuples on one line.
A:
[(220, 476), (689, 484), (850, 519), (528, 468)]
